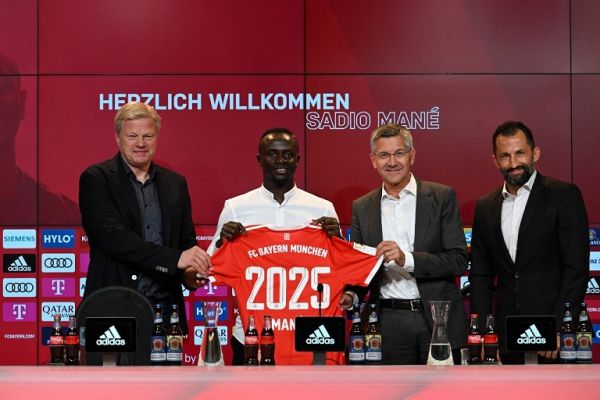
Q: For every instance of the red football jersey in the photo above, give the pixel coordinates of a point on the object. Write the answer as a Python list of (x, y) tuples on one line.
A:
[(276, 271)]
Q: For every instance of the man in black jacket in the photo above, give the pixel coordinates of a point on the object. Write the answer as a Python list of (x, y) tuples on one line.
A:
[(138, 219)]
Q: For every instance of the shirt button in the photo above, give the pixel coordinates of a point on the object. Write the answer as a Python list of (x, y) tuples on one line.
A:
[(134, 277), (516, 276)]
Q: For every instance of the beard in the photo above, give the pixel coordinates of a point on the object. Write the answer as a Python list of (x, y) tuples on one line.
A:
[(518, 180)]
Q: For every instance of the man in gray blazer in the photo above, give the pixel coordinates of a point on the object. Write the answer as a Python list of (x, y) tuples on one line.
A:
[(416, 227)]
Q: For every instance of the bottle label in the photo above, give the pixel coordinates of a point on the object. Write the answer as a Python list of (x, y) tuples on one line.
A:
[(373, 347), (267, 339), (356, 350), (71, 339), (174, 348), (251, 340), (474, 339), (158, 348), (584, 346), (56, 341)]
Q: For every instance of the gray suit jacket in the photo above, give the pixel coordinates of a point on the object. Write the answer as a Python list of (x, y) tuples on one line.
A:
[(439, 249)]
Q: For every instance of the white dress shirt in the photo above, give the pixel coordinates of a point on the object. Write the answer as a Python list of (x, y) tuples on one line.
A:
[(513, 208), (398, 224), (259, 207)]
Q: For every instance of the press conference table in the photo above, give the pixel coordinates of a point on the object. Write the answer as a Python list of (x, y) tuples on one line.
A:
[(530, 382)]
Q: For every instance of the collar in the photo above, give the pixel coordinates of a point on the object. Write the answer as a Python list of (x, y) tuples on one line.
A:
[(290, 193), (410, 188), (131, 175), (527, 186)]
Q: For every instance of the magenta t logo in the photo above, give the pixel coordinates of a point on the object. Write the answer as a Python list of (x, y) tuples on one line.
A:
[(58, 287), (19, 312)]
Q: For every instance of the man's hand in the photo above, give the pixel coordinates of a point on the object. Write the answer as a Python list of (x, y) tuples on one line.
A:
[(391, 252), (196, 259), (346, 301), (551, 354), (230, 231), (191, 279), (329, 225)]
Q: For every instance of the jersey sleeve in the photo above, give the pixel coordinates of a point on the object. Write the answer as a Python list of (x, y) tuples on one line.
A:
[(225, 268), (356, 262)]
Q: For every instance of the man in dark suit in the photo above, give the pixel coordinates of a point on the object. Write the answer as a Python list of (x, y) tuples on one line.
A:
[(531, 235), (416, 227), (137, 216)]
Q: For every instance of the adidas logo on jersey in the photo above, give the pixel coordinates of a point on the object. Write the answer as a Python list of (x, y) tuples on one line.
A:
[(110, 338), (592, 286), (320, 336), (531, 336)]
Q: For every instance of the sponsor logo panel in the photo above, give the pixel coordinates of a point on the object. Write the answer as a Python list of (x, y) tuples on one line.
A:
[(19, 312), (468, 236), (19, 238), (199, 314), (594, 236), (58, 238), (58, 287), (593, 286), (50, 308), (211, 290), (58, 262), (320, 336), (82, 282), (594, 260), (199, 333), (596, 337), (18, 263), (84, 262), (19, 287)]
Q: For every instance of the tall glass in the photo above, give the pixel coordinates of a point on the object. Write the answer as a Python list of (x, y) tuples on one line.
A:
[(440, 352), (211, 353)]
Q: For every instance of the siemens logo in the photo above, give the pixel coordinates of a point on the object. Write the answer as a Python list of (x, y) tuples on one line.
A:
[(19, 238), (58, 238)]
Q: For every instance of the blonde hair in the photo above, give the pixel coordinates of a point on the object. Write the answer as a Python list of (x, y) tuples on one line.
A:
[(136, 110)]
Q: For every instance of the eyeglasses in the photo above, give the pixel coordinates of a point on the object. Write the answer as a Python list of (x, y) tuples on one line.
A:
[(383, 156)]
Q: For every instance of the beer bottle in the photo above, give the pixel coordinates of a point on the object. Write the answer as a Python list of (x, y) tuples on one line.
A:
[(490, 342), (57, 343), (251, 343), (584, 337), (267, 343), (174, 339), (373, 338), (158, 340), (474, 341), (568, 340), (356, 342), (72, 343)]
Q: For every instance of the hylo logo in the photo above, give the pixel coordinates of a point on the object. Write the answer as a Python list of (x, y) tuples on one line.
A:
[(58, 238)]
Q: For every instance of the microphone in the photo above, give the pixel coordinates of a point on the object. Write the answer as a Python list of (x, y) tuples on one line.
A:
[(320, 291)]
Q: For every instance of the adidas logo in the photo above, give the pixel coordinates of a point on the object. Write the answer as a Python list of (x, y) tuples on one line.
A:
[(531, 336), (19, 265), (592, 286), (110, 338), (320, 336)]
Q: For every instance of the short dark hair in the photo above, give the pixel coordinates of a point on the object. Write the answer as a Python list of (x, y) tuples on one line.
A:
[(275, 130), (510, 128)]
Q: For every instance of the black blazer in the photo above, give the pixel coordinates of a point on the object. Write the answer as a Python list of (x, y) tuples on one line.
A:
[(552, 260), (439, 249), (111, 218)]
